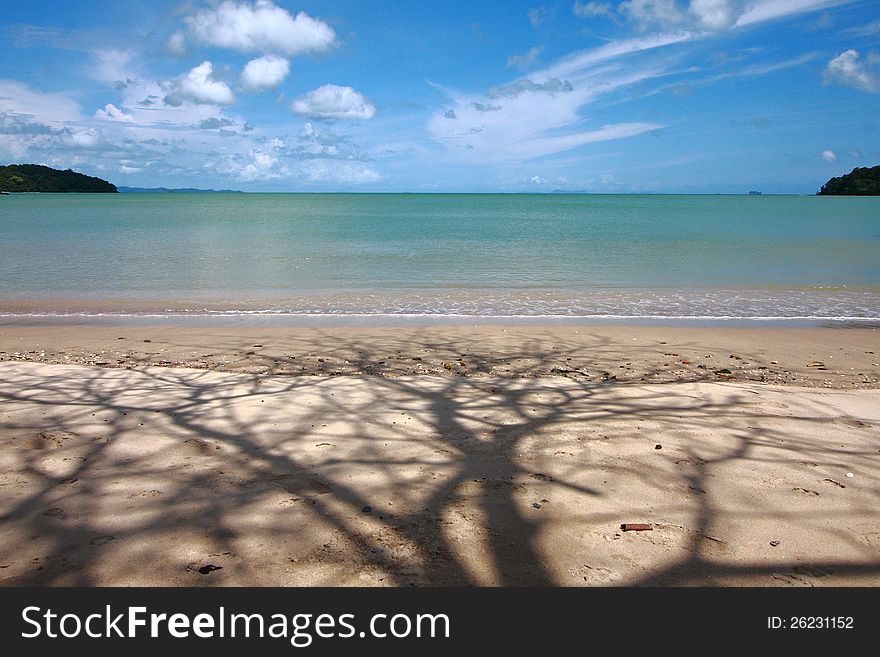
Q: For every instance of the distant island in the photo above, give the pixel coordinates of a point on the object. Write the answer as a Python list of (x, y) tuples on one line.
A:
[(37, 178), (861, 181), (182, 190)]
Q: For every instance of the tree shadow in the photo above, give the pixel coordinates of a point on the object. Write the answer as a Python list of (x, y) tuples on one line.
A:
[(154, 475)]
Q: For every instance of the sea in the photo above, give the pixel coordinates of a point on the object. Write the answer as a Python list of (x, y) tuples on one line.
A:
[(386, 258)]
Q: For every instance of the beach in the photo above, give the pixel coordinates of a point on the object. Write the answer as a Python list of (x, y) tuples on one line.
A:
[(439, 389), (439, 455)]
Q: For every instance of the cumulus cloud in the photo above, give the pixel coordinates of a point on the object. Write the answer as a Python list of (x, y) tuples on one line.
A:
[(85, 139), (829, 156), (450, 114), (261, 166), (113, 113), (849, 70), (264, 73), (334, 102), (198, 86), (311, 158), (259, 27), (591, 9)]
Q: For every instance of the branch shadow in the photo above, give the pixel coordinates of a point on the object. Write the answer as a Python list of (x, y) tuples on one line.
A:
[(156, 475)]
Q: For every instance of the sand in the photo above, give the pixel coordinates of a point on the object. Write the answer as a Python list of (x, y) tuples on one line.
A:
[(498, 471), (843, 358)]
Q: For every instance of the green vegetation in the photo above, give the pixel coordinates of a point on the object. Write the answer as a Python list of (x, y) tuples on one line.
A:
[(37, 178), (862, 181)]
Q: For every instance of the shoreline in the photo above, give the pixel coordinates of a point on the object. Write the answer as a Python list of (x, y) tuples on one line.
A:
[(840, 357), (272, 319)]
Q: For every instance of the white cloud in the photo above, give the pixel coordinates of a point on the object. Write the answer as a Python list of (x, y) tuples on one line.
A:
[(199, 145), (542, 145), (847, 69), (524, 60), (340, 172), (261, 166), (259, 27), (867, 29), (711, 15), (765, 10), (538, 180), (112, 66), (548, 113), (21, 101), (334, 102), (83, 139), (275, 158), (176, 44), (582, 60), (538, 15), (715, 15), (591, 9), (649, 13), (113, 113), (264, 73), (198, 86), (530, 120), (828, 156)]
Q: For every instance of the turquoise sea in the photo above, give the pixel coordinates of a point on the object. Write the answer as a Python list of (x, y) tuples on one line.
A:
[(574, 256)]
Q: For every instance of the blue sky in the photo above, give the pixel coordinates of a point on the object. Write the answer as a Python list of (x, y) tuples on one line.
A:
[(637, 96)]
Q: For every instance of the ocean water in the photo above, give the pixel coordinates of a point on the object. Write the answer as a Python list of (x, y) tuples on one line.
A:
[(433, 255)]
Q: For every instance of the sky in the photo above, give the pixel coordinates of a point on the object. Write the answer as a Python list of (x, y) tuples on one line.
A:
[(674, 96)]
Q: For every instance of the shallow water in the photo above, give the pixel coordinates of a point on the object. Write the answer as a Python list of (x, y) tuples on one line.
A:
[(509, 256)]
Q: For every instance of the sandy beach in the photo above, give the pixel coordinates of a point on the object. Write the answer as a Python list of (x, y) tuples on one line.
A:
[(439, 456), (814, 357)]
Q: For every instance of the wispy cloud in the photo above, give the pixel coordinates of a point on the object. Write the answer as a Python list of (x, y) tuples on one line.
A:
[(549, 111), (524, 60), (858, 31), (767, 10)]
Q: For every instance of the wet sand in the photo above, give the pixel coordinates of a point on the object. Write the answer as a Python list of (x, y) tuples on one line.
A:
[(812, 357), (499, 462)]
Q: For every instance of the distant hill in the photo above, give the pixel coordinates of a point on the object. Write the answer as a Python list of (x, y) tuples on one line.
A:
[(37, 178), (185, 190), (861, 181)]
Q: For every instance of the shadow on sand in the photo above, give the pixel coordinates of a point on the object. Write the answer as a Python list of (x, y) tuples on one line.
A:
[(377, 480)]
